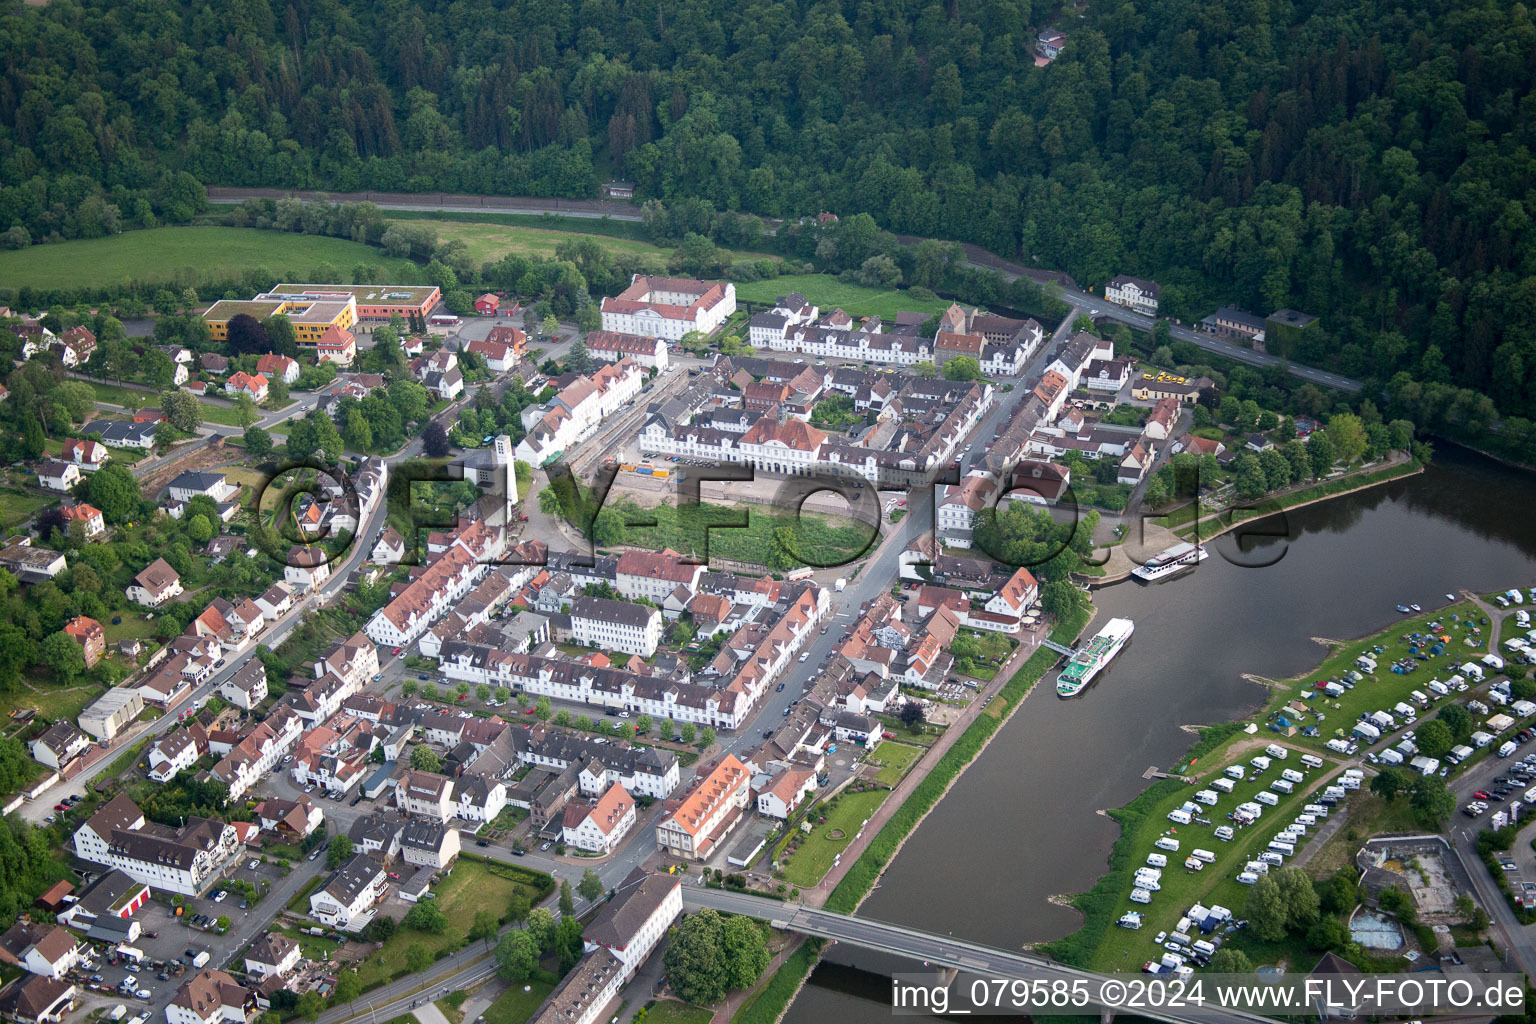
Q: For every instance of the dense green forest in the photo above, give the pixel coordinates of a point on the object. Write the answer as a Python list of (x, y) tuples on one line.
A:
[(1364, 161)]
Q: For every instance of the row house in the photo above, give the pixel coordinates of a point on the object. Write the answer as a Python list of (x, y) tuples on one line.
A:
[(425, 794), (577, 410), (256, 754), (654, 575), (334, 756), (479, 798), (429, 844), (45, 950), (177, 751), (604, 688), (647, 771), (291, 819), (415, 608), (1077, 355), (636, 918), (789, 312), (613, 347), (247, 688), (59, 745)]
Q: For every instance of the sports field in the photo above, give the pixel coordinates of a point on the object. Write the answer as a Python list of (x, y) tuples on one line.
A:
[(190, 255)]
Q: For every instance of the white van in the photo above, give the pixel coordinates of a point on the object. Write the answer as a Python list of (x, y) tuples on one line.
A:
[(1235, 771), (1271, 857), (1251, 809), (1308, 820), (1179, 816), (1247, 878), (1167, 843), (1190, 864), (1283, 786), (1224, 785), (1205, 855), (1260, 867), (1268, 799), (1316, 810), (1352, 782), (1277, 752), (1508, 747), (1292, 775), (1157, 860), (1260, 763), (1311, 761), (1283, 848), (1204, 948), (1207, 797), (1225, 833)]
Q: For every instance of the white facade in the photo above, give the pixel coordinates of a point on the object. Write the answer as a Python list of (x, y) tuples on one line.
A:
[(610, 634), (1133, 294), (669, 308)]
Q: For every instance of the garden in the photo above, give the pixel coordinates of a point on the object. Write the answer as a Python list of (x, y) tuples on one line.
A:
[(806, 857), (894, 760)]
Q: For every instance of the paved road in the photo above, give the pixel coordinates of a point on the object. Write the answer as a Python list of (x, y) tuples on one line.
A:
[(915, 944)]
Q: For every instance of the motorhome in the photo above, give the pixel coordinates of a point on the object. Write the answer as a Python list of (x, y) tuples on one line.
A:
[(1316, 810), (1225, 833), (1283, 848), (1283, 786), (1157, 860), (1292, 775), (1311, 761), (1235, 771), (1167, 843), (1207, 797), (1508, 747), (1180, 816), (1223, 785), (1205, 855), (1267, 799), (1260, 763), (1272, 858), (1258, 866), (1277, 752)]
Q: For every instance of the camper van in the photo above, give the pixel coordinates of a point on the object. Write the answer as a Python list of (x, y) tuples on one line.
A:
[(1271, 858), (1283, 848), (1277, 752), (1316, 810), (1259, 866), (1205, 855), (1311, 761), (1260, 763), (1191, 864), (1157, 860), (1335, 690), (1179, 816), (1140, 896), (1204, 948), (1335, 792), (1438, 688), (1207, 797), (1130, 920), (1251, 809), (1167, 843), (1292, 775), (1247, 878), (1418, 697), (1405, 711), (1283, 786), (1223, 785), (1225, 833), (1235, 771), (1340, 746), (1508, 747), (1152, 874), (1306, 819), (1267, 799), (1357, 774)]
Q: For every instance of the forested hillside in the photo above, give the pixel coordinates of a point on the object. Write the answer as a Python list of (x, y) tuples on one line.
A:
[(1362, 160)]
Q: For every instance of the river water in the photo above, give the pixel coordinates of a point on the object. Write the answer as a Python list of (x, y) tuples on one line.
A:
[(1025, 822)]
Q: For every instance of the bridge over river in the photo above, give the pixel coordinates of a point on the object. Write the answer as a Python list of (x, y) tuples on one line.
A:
[(938, 950)]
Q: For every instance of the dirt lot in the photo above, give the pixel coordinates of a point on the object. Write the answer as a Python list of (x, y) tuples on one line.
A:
[(209, 456)]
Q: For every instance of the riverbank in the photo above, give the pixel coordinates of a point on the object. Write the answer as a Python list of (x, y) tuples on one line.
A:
[(1098, 945), (862, 875), (1338, 487)]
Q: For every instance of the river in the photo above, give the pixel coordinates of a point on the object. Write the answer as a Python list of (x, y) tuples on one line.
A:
[(1025, 822)]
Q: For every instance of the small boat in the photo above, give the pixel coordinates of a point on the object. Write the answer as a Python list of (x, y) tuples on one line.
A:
[(1403, 608), (1450, 597), (1415, 608)]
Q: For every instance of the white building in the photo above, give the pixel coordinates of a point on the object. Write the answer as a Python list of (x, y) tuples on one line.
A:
[(429, 844), (110, 713), (616, 625), (574, 414), (347, 899), (634, 920), (209, 997), (669, 307), (273, 955), (709, 811), (426, 794), (599, 827), (1134, 293), (786, 792), (612, 347)]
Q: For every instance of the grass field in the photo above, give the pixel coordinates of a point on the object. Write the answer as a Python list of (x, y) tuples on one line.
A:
[(49, 701), (828, 292), (514, 1006), (672, 1012), (17, 506), (473, 886), (1381, 690), (897, 758), (717, 530), (807, 865), (486, 242), (189, 255), (113, 394)]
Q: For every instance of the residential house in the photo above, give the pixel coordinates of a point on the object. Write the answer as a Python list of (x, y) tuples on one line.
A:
[(348, 897), (1163, 420), (42, 949), (654, 575), (176, 751), (123, 433), (337, 345), (276, 600), (210, 997), (34, 999), (278, 367), (88, 633), (426, 794), (88, 455), (430, 844), (274, 955), (958, 506), (306, 568), (1135, 464), (487, 304), (599, 827), (1016, 597), (92, 523), (246, 688), (185, 860), (155, 585), (290, 819), (191, 484), (58, 476), (787, 790)]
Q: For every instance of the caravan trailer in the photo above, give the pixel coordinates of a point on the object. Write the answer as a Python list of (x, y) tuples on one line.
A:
[(1311, 761), (1277, 752), (1223, 785), (1283, 786), (1292, 775)]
